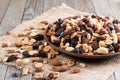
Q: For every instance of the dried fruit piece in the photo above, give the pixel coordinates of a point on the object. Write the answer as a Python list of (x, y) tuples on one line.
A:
[(11, 58), (50, 76), (42, 54), (25, 54), (78, 50), (38, 37)]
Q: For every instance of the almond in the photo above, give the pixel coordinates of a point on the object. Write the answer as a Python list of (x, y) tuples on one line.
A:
[(50, 33), (56, 63), (64, 68)]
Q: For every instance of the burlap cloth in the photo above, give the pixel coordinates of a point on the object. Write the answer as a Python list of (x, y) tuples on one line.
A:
[(95, 70)]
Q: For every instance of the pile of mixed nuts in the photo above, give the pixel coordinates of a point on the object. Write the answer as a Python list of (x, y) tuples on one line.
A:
[(89, 34), (31, 52)]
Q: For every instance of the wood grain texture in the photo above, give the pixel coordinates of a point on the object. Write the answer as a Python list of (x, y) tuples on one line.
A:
[(4, 4), (12, 70), (82, 5), (107, 7), (33, 8), (48, 4), (13, 15)]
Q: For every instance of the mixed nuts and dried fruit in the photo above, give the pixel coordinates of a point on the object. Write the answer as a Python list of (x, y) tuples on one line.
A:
[(31, 52), (89, 34)]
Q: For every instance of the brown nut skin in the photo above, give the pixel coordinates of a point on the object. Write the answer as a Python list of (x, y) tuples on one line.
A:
[(64, 68), (18, 43), (56, 63)]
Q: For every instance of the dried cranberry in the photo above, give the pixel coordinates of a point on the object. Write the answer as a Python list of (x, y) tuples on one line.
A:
[(111, 47), (25, 54), (42, 54), (11, 58), (78, 50), (111, 26), (38, 37), (59, 31)]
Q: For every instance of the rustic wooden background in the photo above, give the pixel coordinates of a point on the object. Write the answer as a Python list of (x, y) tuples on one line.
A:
[(13, 12)]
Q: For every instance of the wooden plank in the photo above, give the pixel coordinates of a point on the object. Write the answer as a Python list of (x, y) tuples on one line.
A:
[(82, 5), (13, 15), (12, 70), (117, 74), (107, 7), (3, 7), (48, 4), (3, 69), (112, 77), (33, 9)]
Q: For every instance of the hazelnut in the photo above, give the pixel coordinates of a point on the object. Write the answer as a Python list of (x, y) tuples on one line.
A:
[(18, 43)]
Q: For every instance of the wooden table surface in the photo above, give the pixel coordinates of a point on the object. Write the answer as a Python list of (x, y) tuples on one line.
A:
[(13, 12)]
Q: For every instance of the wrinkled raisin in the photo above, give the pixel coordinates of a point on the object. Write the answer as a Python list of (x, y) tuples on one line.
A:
[(84, 38), (25, 54), (111, 26), (111, 47), (36, 45), (42, 54), (59, 31), (93, 16), (38, 37), (115, 21), (74, 42), (95, 44), (85, 20), (60, 21), (11, 58), (78, 50)]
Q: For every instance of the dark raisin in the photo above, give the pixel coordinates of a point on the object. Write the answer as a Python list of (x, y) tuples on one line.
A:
[(60, 21), (85, 20), (78, 50), (59, 31), (74, 42), (116, 28), (93, 16), (89, 24), (38, 37), (111, 26), (36, 45), (117, 47), (111, 47), (107, 17), (115, 21), (11, 58), (25, 54), (80, 23), (42, 54), (84, 38), (95, 45), (90, 31)]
